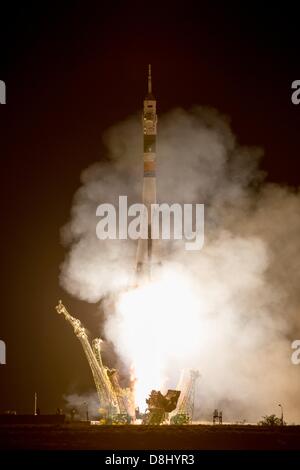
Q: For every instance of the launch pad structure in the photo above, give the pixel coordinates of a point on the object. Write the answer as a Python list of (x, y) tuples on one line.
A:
[(117, 405)]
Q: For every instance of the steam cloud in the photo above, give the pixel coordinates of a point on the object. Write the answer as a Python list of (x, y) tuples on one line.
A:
[(246, 278), (83, 404)]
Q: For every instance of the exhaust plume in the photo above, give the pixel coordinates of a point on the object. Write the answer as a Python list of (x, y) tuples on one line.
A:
[(230, 310)]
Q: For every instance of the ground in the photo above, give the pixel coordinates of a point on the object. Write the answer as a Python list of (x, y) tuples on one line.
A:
[(197, 437)]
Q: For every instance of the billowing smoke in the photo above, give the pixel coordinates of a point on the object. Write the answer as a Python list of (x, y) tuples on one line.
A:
[(82, 406), (230, 310)]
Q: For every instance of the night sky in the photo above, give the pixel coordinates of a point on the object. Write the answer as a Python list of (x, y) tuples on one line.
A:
[(72, 71)]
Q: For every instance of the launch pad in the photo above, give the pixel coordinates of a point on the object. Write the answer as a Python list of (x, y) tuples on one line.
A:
[(117, 404)]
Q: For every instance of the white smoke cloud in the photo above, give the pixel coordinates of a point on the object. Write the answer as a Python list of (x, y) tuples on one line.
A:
[(245, 281), (86, 403)]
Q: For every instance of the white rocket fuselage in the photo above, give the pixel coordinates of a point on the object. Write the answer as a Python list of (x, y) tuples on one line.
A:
[(147, 248)]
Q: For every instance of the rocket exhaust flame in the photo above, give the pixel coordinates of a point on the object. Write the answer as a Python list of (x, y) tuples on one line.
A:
[(150, 323)]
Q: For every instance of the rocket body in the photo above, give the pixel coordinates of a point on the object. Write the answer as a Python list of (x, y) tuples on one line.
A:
[(147, 248)]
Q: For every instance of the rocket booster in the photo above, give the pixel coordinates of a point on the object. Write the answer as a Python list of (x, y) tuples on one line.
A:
[(147, 248)]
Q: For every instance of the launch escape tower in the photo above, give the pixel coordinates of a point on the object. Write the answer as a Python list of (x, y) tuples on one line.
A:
[(147, 248)]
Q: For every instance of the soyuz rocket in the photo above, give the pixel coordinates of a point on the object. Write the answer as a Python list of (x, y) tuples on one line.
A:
[(147, 250)]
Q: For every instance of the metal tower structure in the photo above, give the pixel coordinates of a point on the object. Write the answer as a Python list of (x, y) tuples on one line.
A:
[(184, 412), (111, 396)]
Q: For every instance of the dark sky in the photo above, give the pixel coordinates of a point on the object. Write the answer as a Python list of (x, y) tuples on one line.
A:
[(71, 71)]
